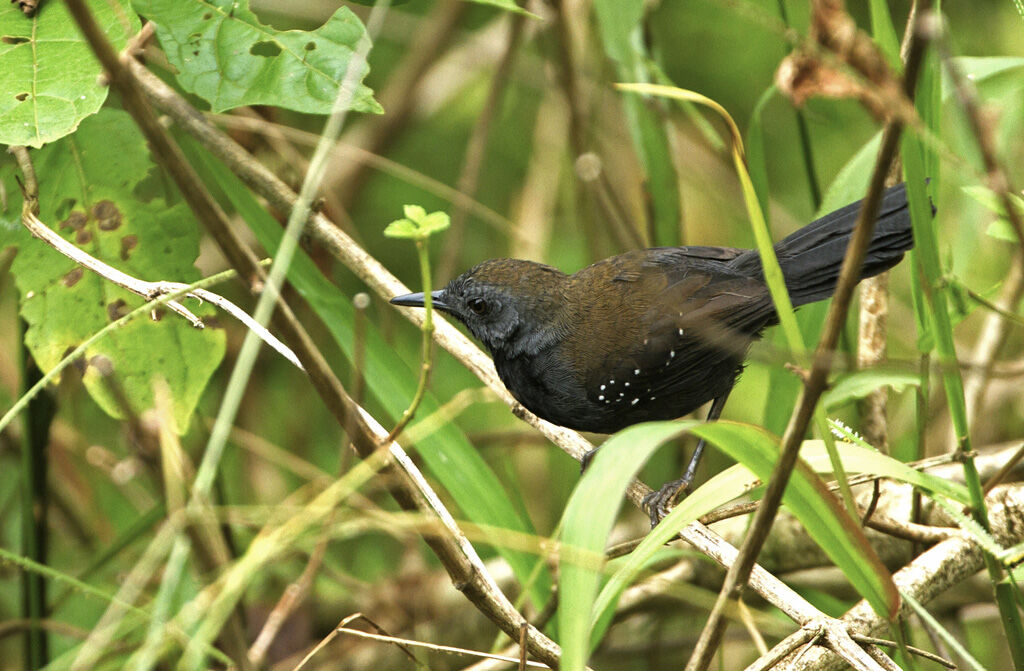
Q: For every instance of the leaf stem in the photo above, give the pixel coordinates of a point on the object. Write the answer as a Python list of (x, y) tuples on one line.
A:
[(426, 360)]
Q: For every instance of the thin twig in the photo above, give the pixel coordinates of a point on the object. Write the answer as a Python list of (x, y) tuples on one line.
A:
[(147, 290), (930, 656), (1007, 468), (440, 648)]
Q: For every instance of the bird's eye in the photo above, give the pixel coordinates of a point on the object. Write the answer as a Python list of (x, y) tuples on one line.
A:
[(478, 306)]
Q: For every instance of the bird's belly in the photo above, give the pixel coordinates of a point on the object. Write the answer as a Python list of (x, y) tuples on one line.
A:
[(555, 395), (548, 391)]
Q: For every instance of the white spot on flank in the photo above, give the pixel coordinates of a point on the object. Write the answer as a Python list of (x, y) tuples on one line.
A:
[(635, 401), (602, 387), (600, 398), (680, 331), (636, 371), (626, 384), (652, 398), (672, 354)]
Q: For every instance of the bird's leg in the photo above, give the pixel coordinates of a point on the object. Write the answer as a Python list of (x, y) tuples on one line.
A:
[(587, 458), (657, 503)]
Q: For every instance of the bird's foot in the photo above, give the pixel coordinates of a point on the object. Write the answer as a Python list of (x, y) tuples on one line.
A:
[(659, 503), (587, 458)]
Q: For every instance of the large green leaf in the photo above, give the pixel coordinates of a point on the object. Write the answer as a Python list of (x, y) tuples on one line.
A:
[(588, 520), (226, 56), (718, 490), (49, 77), (449, 456), (89, 194), (858, 384), (821, 514)]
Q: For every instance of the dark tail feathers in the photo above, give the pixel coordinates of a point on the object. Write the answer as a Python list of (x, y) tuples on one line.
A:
[(812, 256)]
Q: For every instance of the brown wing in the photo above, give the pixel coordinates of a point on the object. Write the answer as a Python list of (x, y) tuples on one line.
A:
[(688, 324)]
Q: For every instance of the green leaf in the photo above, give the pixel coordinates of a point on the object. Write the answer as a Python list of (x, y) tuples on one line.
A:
[(414, 213), (507, 5), (49, 77), (402, 229), (852, 181), (88, 194), (417, 225), (448, 455), (1001, 229), (434, 222), (821, 514), (859, 457), (226, 56), (981, 69), (861, 383), (588, 520), (884, 33), (717, 491)]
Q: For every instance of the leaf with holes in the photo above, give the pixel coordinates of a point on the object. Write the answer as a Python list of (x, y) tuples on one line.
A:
[(96, 190), (49, 79), (226, 56)]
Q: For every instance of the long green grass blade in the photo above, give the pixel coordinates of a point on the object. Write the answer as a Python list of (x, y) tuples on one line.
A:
[(588, 520), (807, 497)]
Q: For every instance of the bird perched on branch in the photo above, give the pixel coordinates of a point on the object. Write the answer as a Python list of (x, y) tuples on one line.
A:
[(651, 334)]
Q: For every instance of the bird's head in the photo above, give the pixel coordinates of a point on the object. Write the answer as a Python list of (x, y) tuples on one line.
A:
[(512, 306)]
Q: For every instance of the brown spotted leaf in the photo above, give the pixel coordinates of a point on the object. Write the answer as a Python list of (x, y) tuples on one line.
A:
[(95, 193)]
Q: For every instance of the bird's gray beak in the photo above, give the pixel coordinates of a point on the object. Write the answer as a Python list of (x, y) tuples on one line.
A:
[(416, 300)]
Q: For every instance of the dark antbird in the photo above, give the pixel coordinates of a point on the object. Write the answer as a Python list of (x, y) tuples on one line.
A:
[(651, 334)]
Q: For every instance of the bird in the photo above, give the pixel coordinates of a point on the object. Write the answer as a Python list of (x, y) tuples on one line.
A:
[(650, 334)]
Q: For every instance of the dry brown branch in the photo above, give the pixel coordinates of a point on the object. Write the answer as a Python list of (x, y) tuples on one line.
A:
[(874, 313)]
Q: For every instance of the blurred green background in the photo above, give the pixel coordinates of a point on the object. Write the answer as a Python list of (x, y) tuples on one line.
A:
[(434, 67)]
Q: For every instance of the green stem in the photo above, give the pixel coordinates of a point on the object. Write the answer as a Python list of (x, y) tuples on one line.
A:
[(805, 134), (426, 362)]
